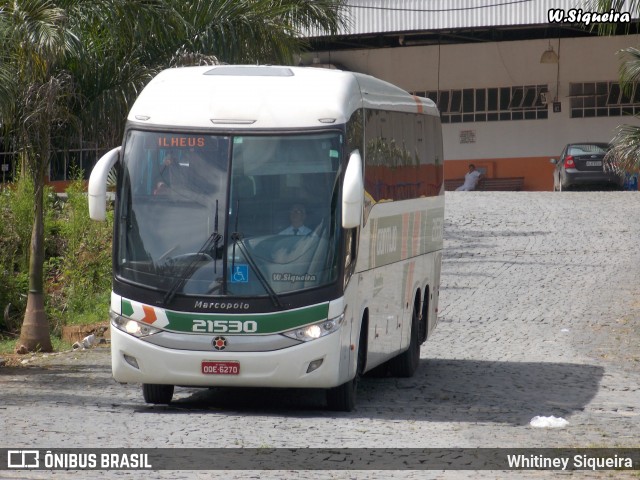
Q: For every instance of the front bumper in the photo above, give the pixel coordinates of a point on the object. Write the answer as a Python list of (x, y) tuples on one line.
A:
[(280, 368), (578, 178)]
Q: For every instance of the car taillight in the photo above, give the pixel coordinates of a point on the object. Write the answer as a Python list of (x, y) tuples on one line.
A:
[(568, 162)]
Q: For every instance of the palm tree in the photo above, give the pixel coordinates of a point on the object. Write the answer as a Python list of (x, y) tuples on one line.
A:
[(69, 70), (168, 33), (624, 155), (35, 41)]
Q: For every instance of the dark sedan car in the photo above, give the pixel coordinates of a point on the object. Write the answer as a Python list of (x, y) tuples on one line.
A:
[(582, 164)]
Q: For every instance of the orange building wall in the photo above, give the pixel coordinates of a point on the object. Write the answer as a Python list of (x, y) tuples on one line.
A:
[(537, 171), (59, 186)]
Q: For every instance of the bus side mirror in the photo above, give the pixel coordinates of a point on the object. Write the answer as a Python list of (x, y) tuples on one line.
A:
[(352, 192), (98, 184)]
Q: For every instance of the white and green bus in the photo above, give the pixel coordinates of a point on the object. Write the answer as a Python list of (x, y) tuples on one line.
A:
[(274, 227)]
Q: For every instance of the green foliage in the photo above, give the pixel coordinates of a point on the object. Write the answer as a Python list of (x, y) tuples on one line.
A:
[(80, 280), (624, 156), (67, 80), (21, 215), (78, 264), (16, 222)]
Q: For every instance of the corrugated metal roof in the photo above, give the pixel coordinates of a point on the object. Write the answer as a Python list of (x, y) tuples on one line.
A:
[(380, 16)]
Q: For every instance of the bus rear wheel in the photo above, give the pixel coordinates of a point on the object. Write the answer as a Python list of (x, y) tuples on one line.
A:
[(157, 394), (406, 364)]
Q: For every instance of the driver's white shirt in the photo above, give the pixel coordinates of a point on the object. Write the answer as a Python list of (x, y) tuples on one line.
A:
[(302, 230)]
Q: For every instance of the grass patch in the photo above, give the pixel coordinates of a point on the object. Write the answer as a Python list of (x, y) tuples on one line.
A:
[(8, 345)]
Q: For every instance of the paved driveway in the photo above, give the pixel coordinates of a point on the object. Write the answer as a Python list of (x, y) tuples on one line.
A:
[(539, 316)]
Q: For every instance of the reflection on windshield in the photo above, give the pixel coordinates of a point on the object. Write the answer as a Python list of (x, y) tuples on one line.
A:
[(172, 199), (282, 209), (283, 205)]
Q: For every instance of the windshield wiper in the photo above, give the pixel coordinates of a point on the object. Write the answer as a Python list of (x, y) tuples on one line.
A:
[(237, 241), (211, 243)]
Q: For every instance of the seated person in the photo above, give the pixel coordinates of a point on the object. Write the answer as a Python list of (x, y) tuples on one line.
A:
[(471, 179), (297, 215)]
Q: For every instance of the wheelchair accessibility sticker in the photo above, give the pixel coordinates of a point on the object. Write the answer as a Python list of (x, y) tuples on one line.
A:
[(240, 274)]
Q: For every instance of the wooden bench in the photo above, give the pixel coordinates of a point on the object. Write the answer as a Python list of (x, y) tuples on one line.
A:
[(489, 184)]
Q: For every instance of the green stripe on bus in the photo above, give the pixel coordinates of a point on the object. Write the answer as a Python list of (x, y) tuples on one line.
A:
[(262, 323), (127, 308)]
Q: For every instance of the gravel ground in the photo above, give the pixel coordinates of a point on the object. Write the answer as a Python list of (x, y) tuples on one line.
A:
[(539, 316)]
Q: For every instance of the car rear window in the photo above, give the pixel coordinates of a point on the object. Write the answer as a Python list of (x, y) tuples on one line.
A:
[(587, 149)]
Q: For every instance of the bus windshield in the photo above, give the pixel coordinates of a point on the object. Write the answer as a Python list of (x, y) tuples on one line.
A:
[(253, 215)]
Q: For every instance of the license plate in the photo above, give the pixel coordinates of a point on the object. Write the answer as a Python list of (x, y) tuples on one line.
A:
[(594, 164), (210, 367)]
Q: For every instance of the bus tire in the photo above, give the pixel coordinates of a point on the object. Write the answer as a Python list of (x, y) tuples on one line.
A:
[(406, 364), (157, 394), (343, 397), (424, 320)]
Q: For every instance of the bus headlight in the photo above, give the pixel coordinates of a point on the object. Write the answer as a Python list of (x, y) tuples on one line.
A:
[(316, 330), (132, 327)]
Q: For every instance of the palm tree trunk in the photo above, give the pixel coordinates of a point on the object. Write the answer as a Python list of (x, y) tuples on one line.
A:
[(34, 334)]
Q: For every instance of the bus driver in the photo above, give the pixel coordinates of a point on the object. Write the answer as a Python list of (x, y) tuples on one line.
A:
[(297, 215)]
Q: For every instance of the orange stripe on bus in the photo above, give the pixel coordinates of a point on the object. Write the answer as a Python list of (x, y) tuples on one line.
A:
[(149, 314), (419, 104)]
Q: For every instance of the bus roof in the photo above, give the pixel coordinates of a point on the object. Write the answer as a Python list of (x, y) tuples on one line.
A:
[(265, 97)]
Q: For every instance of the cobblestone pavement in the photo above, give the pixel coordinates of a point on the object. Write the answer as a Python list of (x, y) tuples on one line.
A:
[(539, 315)]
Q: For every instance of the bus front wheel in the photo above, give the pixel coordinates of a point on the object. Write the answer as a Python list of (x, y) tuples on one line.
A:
[(158, 394), (343, 397)]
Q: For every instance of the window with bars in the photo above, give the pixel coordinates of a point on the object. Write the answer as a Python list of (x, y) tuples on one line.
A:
[(524, 102), (603, 99)]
